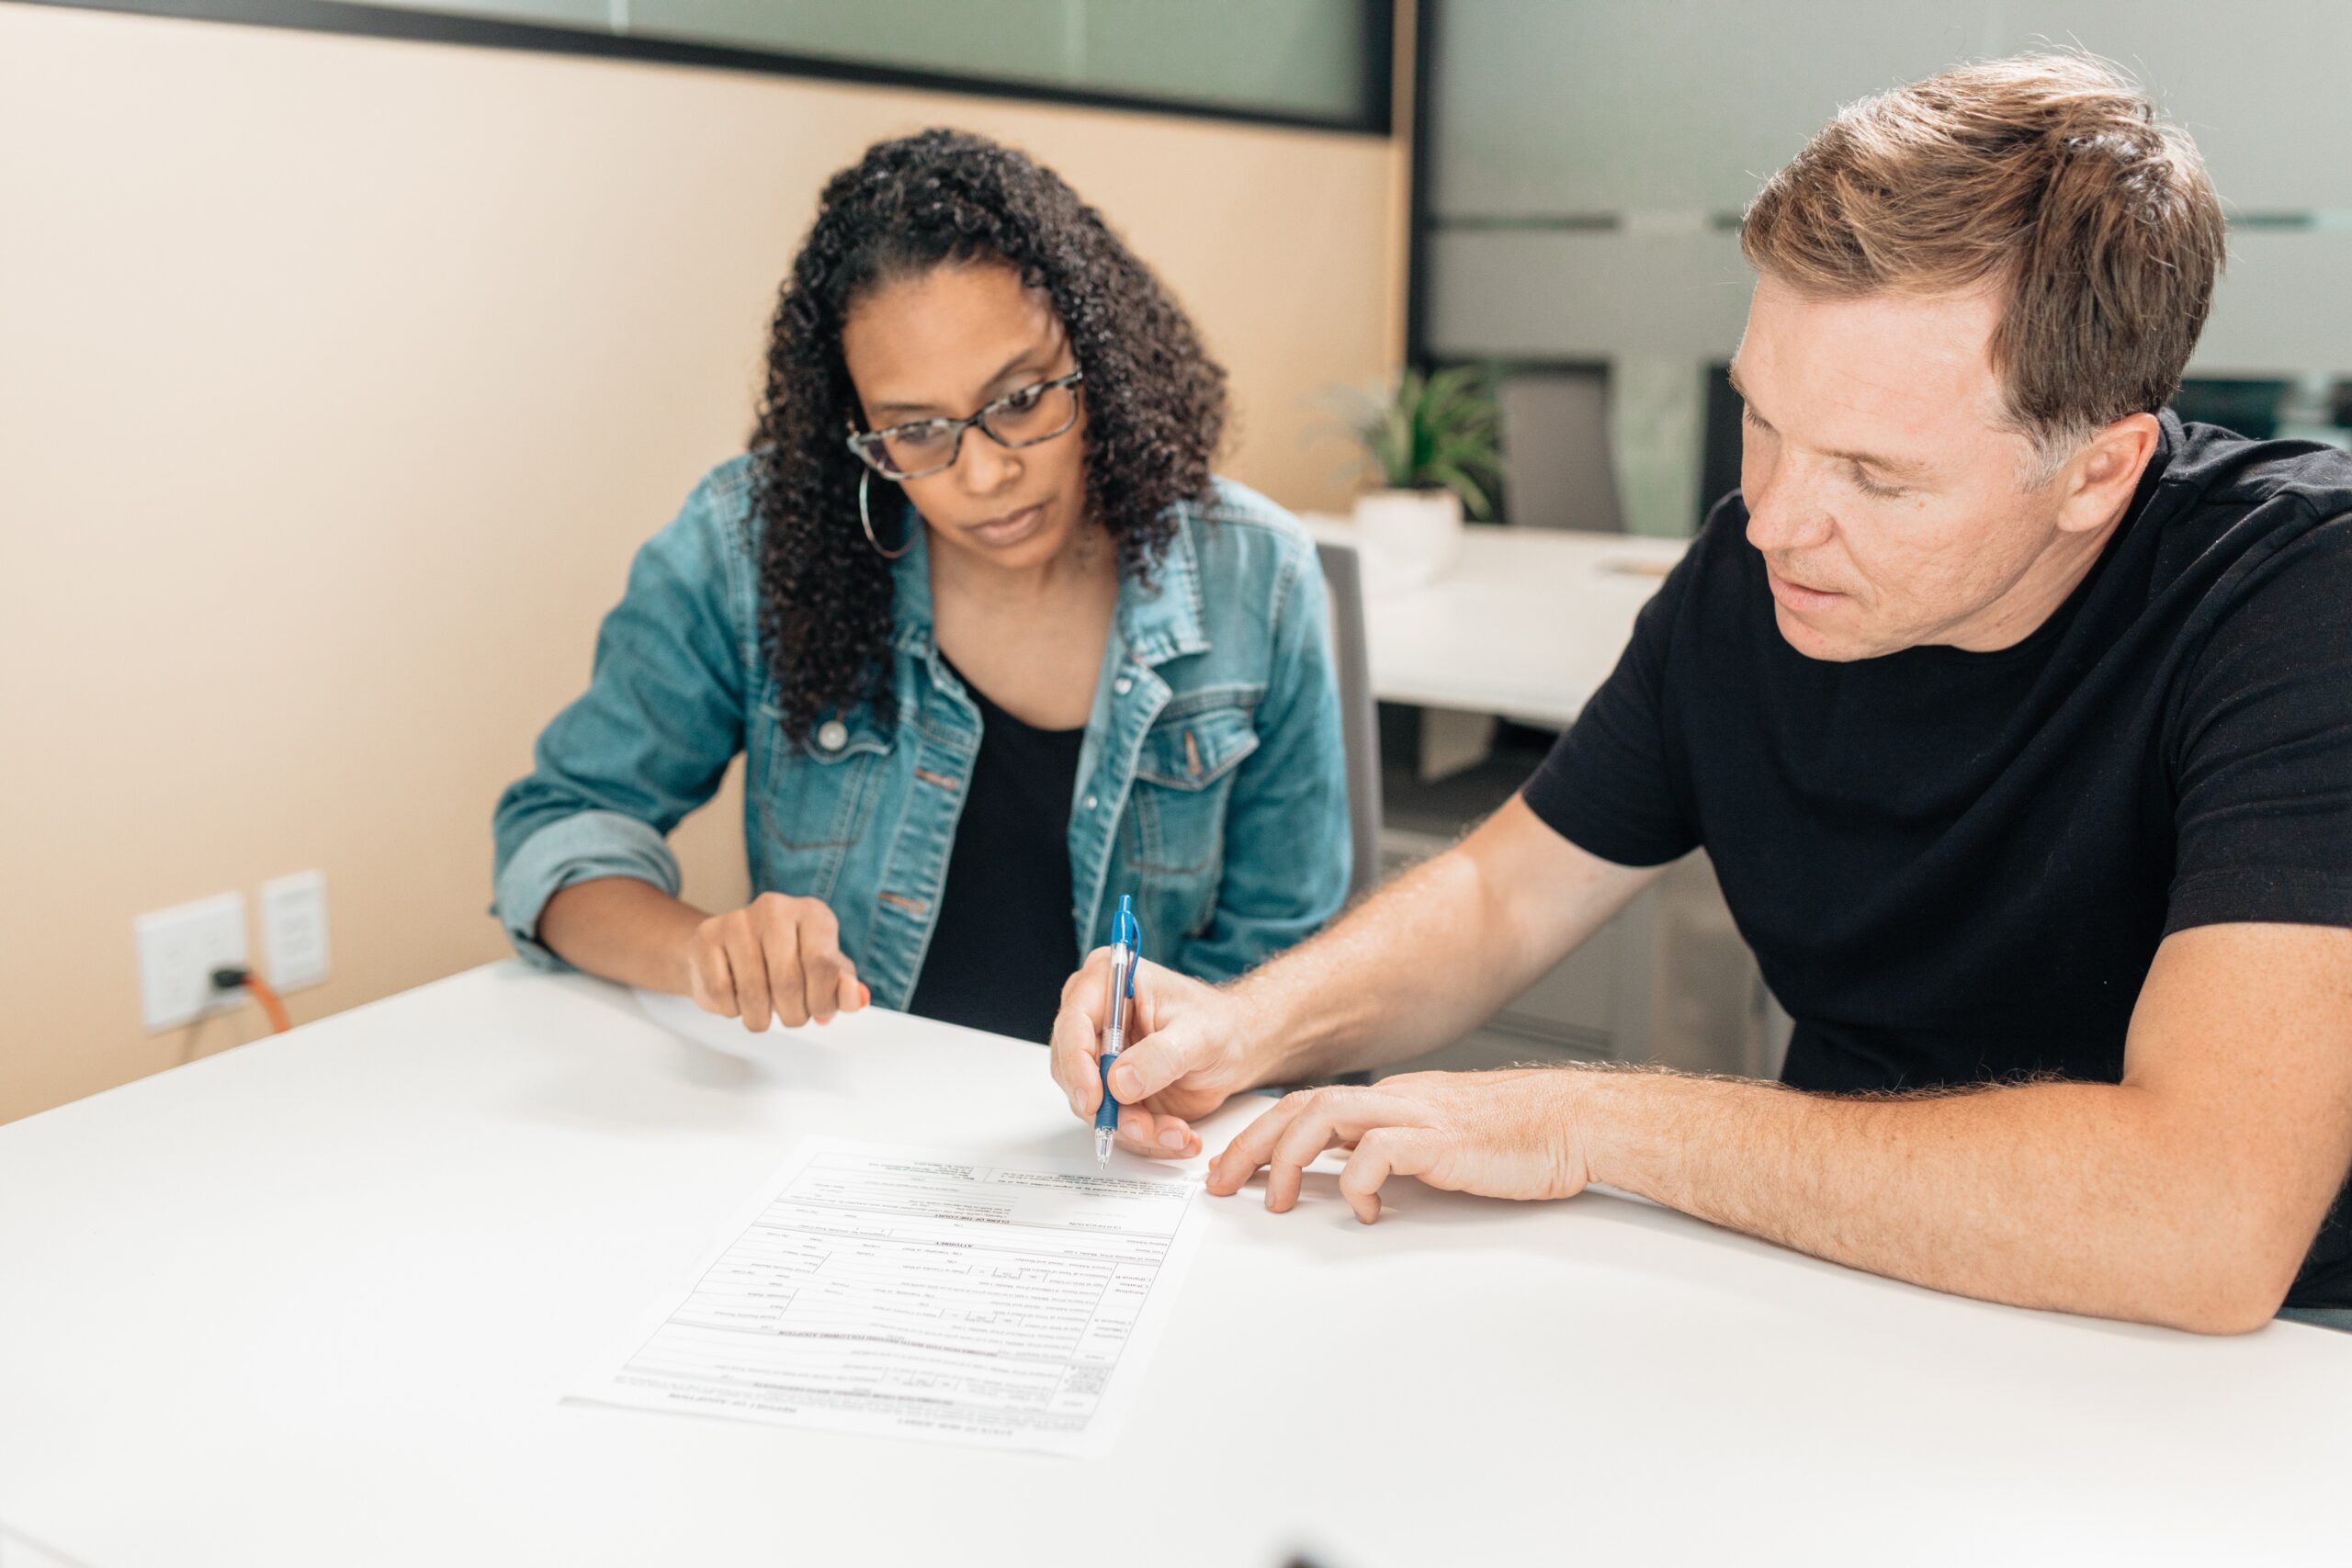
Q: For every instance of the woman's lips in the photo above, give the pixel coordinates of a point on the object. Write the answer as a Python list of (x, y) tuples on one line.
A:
[(1011, 529)]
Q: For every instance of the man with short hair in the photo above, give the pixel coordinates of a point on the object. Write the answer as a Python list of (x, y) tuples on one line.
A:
[(2016, 715)]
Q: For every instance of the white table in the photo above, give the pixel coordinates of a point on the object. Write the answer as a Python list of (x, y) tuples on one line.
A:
[(1526, 623), (316, 1301)]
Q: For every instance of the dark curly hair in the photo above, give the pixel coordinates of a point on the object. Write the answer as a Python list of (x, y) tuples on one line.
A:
[(1155, 401)]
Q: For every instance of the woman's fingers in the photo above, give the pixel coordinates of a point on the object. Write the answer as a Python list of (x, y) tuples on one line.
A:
[(780, 941), (753, 1001), (712, 979), (776, 958), (821, 961)]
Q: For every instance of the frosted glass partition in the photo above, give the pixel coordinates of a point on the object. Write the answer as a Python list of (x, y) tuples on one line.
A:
[(587, 16), (1304, 57), (1543, 107), (1313, 63), (1587, 160)]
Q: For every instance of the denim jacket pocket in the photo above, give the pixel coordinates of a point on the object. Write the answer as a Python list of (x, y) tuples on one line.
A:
[(813, 796), (1183, 777)]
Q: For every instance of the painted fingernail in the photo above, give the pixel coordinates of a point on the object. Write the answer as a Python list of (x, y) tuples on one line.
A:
[(823, 1021), (865, 993)]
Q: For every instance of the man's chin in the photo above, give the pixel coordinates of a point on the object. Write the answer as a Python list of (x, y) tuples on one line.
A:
[(1817, 641)]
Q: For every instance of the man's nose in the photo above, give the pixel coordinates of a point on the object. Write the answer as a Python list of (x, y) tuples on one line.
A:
[(1785, 512)]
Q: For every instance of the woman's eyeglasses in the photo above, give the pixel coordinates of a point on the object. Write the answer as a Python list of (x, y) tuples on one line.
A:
[(932, 445)]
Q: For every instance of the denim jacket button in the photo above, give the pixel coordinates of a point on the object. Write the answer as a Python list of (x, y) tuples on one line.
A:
[(1124, 686), (833, 735), (1089, 803)]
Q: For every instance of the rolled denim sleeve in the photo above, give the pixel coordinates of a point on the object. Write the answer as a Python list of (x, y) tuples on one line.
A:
[(1288, 851), (651, 739)]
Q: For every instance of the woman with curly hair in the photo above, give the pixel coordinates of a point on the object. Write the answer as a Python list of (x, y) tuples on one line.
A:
[(996, 645)]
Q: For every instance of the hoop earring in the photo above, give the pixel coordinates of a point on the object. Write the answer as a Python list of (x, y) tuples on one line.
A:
[(867, 518)]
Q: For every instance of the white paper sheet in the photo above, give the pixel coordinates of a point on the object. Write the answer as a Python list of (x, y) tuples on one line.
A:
[(910, 1293)]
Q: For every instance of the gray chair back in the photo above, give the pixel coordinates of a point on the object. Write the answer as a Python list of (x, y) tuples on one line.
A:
[(1359, 719), (1556, 438)]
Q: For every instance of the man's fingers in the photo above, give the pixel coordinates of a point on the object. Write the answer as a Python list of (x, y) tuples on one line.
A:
[(1157, 1060), (1308, 1134), (1087, 991), (1380, 1153), (749, 967), (1155, 1133), (1287, 1139), (1252, 1147), (1073, 1047), (1077, 1037)]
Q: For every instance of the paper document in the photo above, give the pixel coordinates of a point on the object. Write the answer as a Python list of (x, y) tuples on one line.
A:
[(916, 1295)]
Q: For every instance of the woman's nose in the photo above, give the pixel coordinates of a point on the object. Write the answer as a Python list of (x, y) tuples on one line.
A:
[(983, 466)]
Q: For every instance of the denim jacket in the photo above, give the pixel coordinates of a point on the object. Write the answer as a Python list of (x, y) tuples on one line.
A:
[(1211, 781)]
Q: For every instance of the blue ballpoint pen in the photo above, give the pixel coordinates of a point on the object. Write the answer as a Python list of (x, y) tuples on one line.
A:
[(1126, 951)]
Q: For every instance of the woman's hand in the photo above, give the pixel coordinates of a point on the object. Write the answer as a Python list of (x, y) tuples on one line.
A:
[(777, 957)]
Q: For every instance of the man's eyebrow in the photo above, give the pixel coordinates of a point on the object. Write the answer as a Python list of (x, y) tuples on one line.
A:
[(1894, 467), (1035, 352)]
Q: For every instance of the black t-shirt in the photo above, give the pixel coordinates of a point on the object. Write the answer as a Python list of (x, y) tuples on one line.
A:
[(1005, 939), (1956, 867)]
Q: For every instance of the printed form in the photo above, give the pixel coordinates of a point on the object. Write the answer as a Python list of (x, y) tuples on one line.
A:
[(903, 1293)]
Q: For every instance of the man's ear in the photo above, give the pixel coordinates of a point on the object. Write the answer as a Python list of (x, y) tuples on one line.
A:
[(2097, 481)]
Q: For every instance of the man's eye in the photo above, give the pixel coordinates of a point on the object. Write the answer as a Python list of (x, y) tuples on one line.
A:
[(1864, 483)]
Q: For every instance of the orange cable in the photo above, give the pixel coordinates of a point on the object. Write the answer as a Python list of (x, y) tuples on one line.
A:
[(279, 1022)]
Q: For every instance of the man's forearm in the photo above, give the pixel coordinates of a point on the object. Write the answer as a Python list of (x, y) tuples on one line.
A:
[(1400, 970), (1432, 955), (2088, 1197)]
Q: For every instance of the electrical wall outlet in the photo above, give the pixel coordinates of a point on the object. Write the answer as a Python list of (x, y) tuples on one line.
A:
[(294, 930), (179, 950)]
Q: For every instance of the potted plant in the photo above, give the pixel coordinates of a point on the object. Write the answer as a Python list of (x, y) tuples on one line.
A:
[(1434, 442)]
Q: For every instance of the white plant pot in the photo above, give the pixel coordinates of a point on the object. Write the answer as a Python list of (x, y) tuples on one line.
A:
[(1411, 536)]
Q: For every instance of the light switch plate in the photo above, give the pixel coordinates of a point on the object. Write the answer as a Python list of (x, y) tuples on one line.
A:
[(294, 930), (179, 950)]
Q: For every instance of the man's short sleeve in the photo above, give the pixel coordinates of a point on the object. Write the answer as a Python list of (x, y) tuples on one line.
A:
[(1608, 785), (2262, 757)]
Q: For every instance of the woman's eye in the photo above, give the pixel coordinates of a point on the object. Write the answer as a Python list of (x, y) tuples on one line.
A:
[(1023, 400)]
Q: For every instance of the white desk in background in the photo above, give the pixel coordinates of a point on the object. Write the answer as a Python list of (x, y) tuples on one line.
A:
[(1525, 625), (318, 1300)]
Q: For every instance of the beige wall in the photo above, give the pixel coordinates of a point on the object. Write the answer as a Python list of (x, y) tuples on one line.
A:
[(339, 379)]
